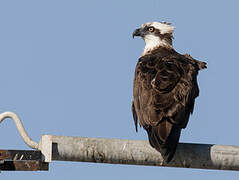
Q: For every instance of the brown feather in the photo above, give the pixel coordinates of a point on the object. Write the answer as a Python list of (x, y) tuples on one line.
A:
[(165, 88)]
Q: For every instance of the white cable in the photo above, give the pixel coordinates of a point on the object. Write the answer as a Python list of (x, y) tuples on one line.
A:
[(20, 128)]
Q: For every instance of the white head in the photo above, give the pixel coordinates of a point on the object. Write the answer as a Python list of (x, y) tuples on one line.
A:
[(155, 34)]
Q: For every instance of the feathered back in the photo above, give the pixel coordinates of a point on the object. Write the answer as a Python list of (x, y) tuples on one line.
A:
[(165, 88)]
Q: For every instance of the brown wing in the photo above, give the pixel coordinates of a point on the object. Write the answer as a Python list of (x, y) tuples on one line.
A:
[(165, 89)]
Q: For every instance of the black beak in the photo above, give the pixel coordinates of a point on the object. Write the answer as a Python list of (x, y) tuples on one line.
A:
[(137, 32)]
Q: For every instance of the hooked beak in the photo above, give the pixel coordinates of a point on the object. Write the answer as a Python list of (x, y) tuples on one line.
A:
[(137, 32)]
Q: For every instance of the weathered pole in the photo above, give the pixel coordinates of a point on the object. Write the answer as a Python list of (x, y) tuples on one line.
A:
[(116, 151)]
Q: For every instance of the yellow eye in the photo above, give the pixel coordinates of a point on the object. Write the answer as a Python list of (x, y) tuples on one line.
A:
[(151, 29)]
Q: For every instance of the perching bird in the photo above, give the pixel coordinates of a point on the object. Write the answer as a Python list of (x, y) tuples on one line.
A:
[(165, 88)]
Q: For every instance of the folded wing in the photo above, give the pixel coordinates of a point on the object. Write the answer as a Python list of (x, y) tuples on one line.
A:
[(165, 89)]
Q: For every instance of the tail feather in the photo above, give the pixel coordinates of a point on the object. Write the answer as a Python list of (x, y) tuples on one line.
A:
[(171, 144), (167, 147)]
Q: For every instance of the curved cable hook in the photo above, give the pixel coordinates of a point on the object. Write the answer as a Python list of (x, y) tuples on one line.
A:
[(20, 128)]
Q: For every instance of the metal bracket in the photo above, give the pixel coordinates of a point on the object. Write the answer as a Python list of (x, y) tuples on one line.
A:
[(22, 160), (26, 160)]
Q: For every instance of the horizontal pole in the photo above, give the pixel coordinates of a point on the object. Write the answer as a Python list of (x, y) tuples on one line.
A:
[(135, 152)]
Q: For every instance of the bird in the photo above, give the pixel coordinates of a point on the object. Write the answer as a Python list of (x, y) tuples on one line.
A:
[(164, 88)]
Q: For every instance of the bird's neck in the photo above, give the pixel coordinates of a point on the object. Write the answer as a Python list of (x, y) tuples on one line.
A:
[(153, 42)]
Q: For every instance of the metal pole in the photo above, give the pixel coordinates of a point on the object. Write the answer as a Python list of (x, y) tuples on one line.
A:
[(116, 151)]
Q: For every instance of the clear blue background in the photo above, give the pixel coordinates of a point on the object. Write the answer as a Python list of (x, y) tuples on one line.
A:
[(67, 69)]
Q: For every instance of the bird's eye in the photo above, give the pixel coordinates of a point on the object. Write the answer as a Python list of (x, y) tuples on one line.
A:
[(151, 29)]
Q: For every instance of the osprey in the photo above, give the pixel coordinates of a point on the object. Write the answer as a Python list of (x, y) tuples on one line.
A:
[(165, 88)]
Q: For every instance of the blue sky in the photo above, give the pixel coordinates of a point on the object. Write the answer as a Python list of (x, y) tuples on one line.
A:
[(67, 69)]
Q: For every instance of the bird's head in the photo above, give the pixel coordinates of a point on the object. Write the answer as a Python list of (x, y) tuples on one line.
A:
[(155, 34)]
